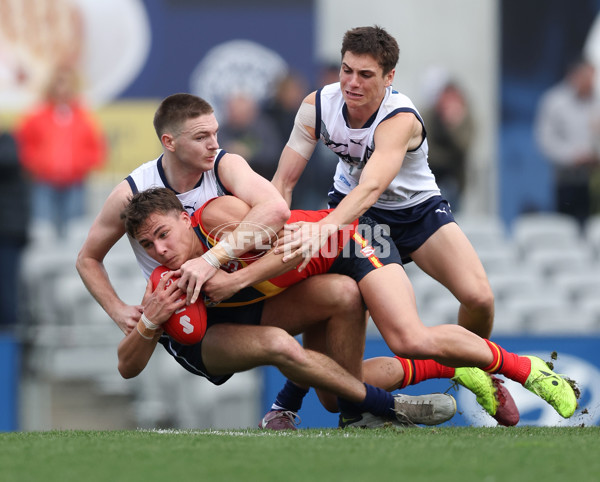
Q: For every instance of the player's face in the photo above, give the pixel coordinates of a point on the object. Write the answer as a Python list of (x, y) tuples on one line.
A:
[(168, 238), (362, 81), (196, 144)]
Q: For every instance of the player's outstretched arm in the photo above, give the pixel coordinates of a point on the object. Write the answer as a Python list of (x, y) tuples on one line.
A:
[(290, 168), (106, 230), (393, 138), (298, 149)]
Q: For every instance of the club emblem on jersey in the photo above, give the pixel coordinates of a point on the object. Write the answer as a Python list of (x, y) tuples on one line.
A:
[(367, 251)]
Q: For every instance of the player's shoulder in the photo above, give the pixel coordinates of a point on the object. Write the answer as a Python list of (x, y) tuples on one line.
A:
[(330, 90), (226, 159), (145, 167), (119, 196), (310, 98), (398, 98)]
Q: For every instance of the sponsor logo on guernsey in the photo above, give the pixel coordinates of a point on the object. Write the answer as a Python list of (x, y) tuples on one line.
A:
[(344, 180)]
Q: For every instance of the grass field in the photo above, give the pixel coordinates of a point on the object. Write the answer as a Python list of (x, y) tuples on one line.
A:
[(414, 454)]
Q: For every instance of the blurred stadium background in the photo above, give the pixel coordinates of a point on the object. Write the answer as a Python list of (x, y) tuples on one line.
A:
[(59, 369)]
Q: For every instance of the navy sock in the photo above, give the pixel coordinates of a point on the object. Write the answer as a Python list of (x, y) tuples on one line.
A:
[(290, 397), (378, 402)]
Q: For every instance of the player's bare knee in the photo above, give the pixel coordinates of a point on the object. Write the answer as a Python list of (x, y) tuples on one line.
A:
[(480, 300), (347, 295), (283, 349), (421, 345)]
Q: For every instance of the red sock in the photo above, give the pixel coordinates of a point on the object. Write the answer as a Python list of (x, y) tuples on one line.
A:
[(416, 371), (511, 365)]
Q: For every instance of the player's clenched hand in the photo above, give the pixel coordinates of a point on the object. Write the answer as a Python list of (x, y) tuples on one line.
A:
[(192, 275), (161, 303), (221, 286), (303, 239), (128, 317)]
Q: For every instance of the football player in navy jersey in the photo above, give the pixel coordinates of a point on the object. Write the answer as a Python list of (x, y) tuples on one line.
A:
[(192, 166), (382, 171)]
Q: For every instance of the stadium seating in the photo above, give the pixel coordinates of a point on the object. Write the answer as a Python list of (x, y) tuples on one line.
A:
[(545, 260), (518, 281), (591, 232), (545, 229), (562, 321), (484, 232)]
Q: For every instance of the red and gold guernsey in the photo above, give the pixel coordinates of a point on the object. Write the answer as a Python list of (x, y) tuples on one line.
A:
[(318, 264)]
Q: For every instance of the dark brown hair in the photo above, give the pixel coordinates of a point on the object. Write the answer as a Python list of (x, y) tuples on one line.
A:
[(143, 204), (374, 41)]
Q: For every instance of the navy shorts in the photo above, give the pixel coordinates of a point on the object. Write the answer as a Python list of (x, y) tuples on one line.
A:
[(190, 356), (370, 248), (409, 227)]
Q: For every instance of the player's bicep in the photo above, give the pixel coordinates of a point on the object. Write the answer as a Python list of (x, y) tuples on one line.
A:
[(303, 136), (239, 179)]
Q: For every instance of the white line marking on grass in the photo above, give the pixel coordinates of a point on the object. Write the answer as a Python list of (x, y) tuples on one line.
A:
[(257, 433)]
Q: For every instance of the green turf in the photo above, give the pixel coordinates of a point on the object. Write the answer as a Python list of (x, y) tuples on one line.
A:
[(427, 454)]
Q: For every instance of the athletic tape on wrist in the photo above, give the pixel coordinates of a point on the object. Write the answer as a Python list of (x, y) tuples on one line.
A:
[(143, 329), (211, 259), (148, 323)]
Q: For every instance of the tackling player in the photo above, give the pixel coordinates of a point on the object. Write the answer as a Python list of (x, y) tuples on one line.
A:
[(382, 171)]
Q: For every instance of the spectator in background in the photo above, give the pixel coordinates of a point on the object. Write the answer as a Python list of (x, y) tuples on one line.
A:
[(59, 145), (14, 223), (329, 73), (282, 108), (313, 185), (247, 131), (567, 129), (450, 132)]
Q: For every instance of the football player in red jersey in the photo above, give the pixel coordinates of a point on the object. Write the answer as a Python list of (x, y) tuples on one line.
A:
[(254, 334), (376, 267)]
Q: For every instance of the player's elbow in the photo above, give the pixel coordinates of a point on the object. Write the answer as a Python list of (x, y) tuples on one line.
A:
[(280, 212), (126, 374), (129, 365), (79, 262), (127, 370), (283, 213), (82, 263)]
